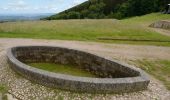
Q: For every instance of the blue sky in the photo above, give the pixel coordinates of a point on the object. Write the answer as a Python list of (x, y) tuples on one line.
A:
[(36, 6)]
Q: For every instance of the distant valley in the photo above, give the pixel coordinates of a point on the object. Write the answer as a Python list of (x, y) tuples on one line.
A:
[(22, 17)]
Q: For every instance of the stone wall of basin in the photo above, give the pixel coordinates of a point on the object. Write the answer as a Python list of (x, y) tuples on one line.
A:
[(113, 76)]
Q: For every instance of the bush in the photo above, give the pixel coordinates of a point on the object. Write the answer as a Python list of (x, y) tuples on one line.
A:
[(138, 7), (73, 15)]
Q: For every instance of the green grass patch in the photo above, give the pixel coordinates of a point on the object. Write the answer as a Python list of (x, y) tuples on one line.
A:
[(88, 30), (63, 69), (159, 68), (3, 89)]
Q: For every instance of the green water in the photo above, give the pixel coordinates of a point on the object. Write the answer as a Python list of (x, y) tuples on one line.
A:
[(62, 69)]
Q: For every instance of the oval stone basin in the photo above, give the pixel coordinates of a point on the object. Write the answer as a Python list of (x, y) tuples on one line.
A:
[(112, 76)]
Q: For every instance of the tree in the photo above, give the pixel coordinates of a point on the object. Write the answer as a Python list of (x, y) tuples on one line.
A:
[(84, 13), (137, 8), (62, 16), (96, 11), (122, 9), (73, 15)]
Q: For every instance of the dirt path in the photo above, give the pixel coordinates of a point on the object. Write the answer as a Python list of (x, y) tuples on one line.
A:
[(121, 51), (25, 90), (162, 31)]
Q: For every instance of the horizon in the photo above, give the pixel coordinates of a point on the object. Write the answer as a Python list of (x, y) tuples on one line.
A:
[(23, 14), (21, 7)]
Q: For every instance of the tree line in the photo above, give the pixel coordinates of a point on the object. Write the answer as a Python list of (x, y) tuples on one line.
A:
[(99, 9)]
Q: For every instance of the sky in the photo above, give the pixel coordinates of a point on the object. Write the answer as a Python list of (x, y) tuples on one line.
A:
[(36, 6)]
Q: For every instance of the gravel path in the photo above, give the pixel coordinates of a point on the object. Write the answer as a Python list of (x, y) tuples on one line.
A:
[(0, 96), (162, 31), (23, 89), (118, 51)]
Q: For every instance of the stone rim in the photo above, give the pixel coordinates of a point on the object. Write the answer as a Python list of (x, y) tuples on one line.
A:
[(142, 79)]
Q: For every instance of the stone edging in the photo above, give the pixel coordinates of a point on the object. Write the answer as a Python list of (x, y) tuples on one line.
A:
[(138, 81), (164, 24)]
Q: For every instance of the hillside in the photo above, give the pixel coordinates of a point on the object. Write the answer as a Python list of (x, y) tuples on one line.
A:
[(106, 6), (99, 9), (90, 30)]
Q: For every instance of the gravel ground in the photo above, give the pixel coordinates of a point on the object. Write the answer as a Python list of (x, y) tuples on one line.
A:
[(0, 96), (162, 31), (24, 89)]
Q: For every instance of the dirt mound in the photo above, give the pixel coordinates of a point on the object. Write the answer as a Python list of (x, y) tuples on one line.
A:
[(164, 24)]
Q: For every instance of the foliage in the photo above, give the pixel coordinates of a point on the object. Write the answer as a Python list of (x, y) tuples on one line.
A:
[(97, 9), (93, 9), (73, 15), (3, 89), (137, 8)]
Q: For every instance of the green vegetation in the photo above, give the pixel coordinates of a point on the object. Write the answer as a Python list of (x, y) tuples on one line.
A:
[(138, 7), (60, 97), (2, 89), (64, 69), (99, 9), (93, 9), (159, 68), (89, 30)]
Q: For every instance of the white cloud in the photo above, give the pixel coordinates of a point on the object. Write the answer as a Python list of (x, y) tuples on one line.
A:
[(16, 5), (50, 7)]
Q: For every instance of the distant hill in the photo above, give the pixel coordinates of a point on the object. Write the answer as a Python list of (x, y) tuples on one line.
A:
[(97, 9), (109, 5), (21, 17)]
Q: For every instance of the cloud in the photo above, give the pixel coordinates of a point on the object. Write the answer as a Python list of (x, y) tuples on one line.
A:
[(16, 5), (46, 7), (22, 5)]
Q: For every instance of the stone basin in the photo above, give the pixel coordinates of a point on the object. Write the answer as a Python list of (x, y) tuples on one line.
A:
[(113, 76)]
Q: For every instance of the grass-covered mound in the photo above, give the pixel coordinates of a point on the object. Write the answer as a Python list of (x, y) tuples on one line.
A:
[(62, 69)]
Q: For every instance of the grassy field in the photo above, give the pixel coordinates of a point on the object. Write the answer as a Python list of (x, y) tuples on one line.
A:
[(63, 69), (159, 69), (89, 30)]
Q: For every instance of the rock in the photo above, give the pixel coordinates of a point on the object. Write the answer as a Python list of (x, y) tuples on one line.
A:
[(164, 24), (10, 97)]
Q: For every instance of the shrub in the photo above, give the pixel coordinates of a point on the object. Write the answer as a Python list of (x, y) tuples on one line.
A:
[(73, 15)]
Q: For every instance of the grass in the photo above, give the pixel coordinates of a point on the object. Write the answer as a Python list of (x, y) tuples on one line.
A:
[(88, 30), (63, 69), (159, 69), (3, 91)]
